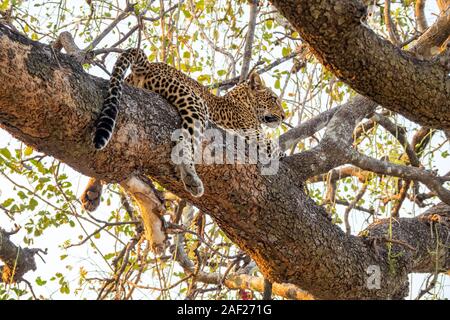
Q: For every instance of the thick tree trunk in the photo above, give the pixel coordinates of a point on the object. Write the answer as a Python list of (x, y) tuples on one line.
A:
[(374, 67), (48, 102)]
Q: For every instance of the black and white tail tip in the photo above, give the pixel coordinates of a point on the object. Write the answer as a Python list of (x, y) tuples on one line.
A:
[(106, 124)]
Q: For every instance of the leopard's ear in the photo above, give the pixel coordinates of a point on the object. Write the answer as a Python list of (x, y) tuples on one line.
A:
[(255, 81)]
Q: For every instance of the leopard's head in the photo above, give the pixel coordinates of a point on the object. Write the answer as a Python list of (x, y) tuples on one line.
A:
[(268, 104)]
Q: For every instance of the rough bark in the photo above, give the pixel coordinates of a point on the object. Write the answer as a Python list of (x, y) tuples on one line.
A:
[(374, 67), (48, 102), (18, 261)]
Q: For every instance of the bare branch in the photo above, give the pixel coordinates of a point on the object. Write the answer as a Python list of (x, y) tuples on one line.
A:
[(352, 205), (342, 173), (430, 42), (306, 129), (249, 39), (125, 13), (433, 182), (330, 153), (421, 19), (400, 134), (231, 82), (390, 25)]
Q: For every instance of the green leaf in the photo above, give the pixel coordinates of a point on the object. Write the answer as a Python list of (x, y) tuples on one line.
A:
[(278, 84), (110, 255), (28, 150), (33, 204), (286, 51), (7, 202), (4, 5), (40, 282), (22, 195), (200, 5), (204, 78), (6, 153), (187, 14)]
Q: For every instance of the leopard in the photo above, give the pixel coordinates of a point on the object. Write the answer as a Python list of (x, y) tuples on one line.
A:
[(244, 109)]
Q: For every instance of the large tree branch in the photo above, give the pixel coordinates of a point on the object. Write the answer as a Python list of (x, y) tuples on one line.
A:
[(47, 101), (434, 37), (419, 90), (335, 149), (17, 261)]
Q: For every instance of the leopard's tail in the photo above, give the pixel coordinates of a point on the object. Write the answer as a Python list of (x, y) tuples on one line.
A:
[(107, 120)]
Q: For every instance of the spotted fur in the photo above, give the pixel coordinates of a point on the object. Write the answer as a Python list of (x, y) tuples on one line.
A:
[(244, 109)]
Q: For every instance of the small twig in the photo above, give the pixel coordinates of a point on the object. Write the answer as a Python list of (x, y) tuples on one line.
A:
[(429, 286), (215, 47), (106, 225), (233, 81), (202, 240), (352, 205), (105, 32), (174, 285), (31, 289), (402, 243)]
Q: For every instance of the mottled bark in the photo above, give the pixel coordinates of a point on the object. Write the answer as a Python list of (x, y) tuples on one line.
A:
[(48, 102), (17, 260), (374, 67), (432, 41)]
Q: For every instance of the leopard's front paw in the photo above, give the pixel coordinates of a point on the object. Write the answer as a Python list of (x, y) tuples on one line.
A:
[(191, 181)]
